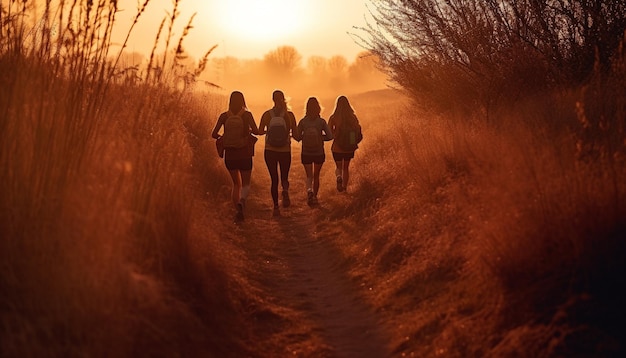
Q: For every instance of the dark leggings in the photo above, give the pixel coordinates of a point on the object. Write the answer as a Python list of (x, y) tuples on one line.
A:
[(273, 160)]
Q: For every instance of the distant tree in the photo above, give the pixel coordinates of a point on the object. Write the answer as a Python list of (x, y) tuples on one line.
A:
[(285, 60), (129, 66), (338, 72), (337, 65), (485, 49), (223, 70), (317, 66), (133, 58), (227, 65), (366, 66)]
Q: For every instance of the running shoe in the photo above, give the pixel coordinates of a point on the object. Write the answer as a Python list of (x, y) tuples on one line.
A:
[(286, 201), (239, 216), (314, 201), (339, 184), (310, 198), (276, 211)]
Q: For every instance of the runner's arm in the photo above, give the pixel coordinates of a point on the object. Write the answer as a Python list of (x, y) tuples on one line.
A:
[(252, 124), (328, 134), (218, 126), (296, 131), (331, 124), (263, 123)]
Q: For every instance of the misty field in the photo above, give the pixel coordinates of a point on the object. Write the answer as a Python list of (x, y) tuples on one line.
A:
[(482, 231)]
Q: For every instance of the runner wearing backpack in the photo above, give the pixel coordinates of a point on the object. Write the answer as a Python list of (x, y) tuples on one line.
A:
[(313, 131), (238, 123), (346, 130), (278, 123)]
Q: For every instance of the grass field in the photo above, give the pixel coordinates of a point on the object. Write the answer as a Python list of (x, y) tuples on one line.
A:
[(471, 237)]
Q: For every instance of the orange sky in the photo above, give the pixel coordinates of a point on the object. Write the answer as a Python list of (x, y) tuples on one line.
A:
[(252, 28)]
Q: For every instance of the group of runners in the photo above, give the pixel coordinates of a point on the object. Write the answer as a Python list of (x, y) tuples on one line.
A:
[(236, 131)]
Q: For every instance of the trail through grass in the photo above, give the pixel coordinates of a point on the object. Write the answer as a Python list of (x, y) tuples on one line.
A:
[(310, 306)]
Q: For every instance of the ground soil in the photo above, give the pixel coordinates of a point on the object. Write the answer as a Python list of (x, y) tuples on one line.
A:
[(310, 305)]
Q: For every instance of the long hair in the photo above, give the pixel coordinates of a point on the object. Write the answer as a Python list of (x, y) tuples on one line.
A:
[(279, 100), (313, 108), (236, 102), (343, 113)]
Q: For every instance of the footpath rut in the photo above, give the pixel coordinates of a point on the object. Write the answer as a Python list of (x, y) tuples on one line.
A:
[(313, 308)]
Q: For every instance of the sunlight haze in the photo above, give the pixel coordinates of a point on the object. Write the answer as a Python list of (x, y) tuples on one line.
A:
[(250, 29), (239, 178)]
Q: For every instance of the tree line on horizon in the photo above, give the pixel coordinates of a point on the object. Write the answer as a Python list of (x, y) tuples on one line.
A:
[(107, 172), (283, 64)]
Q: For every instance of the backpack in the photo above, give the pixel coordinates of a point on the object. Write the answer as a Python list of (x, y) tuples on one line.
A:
[(349, 136), (312, 135), (234, 131), (277, 132)]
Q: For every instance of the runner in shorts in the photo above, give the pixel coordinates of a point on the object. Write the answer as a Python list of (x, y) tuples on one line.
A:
[(347, 134), (313, 131), (238, 123)]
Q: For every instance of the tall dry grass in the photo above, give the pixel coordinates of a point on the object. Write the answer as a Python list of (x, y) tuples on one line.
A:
[(99, 247), (473, 239), (483, 237)]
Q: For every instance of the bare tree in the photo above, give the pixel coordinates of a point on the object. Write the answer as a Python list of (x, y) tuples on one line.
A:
[(338, 72), (337, 65), (364, 68), (285, 60), (484, 50), (317, 66)]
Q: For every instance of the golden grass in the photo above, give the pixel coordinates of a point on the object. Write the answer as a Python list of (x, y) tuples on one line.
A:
[(472, 239), (99, 248), (493, 240)]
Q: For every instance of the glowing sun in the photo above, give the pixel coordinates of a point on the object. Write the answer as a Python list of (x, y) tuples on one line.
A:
[(261, 20)]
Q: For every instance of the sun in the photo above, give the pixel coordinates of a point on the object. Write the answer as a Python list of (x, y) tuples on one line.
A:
[(261, 20)]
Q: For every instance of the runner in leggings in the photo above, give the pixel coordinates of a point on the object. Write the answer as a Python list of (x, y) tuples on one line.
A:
[(278, 123)]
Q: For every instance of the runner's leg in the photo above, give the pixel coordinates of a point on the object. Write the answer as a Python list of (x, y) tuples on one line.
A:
[(308, 168), (235, 193), (285, 166), (272, 166), (317, 168), (338, 171), (346, 172), (245, 184)]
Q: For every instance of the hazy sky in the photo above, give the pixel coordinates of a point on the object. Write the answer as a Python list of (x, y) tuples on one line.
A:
[(252, 28)]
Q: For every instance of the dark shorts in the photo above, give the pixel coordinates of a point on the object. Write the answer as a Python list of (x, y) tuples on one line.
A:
[(310, 159), (342, 156), (239, 164)]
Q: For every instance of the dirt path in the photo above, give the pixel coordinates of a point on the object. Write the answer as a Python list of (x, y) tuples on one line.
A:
[(313, 308)]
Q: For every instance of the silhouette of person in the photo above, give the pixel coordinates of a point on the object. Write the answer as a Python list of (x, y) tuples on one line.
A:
[(237, 158), (278, 124), (313, 131), (344, 124)]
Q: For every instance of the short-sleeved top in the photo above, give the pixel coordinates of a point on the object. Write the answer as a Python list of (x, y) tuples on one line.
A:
[(322, 125), (237, 153), (291, 126)]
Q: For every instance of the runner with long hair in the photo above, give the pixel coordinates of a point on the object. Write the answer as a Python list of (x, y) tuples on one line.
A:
[(313, 131), (278, 124), (238, 123), (346, 130)]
